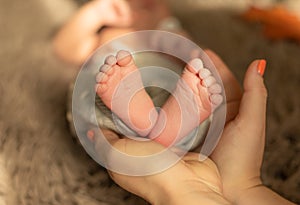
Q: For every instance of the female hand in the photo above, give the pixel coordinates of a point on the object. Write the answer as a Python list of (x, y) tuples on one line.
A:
[(239, 153), (194, 176), (189, 181), (233, 177)]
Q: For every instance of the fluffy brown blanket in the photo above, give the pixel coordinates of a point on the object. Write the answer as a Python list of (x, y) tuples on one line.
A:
[(40, 164)]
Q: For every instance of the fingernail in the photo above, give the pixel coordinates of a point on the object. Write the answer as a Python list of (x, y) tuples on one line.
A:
[(91, 135), (261, 67)]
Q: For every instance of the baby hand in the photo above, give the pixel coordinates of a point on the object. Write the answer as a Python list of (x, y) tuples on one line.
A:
[(114, 12)]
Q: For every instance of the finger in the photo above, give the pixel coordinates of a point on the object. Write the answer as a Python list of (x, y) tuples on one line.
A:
[(123, 144), (137, 148), (252, 114)]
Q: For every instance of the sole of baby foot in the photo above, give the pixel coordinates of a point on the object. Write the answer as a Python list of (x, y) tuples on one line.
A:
[(120, 86), (196, 96)]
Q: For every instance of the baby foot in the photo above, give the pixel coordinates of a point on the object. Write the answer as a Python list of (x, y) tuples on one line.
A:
[(206, 90), (120, 87), (197, 95)]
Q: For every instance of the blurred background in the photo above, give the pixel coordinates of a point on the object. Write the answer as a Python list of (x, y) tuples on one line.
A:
[(40, 163)]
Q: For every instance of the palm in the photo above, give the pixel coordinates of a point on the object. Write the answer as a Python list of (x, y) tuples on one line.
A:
[(206, 171), (190, 180)]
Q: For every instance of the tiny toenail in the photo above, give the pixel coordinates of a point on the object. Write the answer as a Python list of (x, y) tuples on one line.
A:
[(111, 60), (104, 68), (216, 99), (215, 89), (122, 54), (209, 81), (101, 77), (204, 73), (196, 64)]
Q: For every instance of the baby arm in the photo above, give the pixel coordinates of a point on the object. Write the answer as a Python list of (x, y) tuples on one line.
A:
[(79, 37)]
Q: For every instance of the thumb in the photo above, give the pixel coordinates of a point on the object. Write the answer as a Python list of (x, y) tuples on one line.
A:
[(252, 113)]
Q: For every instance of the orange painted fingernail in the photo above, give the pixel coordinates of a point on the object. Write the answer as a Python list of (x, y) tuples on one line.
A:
[(91, 135), (261, 67)]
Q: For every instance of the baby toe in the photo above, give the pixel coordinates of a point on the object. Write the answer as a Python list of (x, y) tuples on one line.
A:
[(195, 65), (124, 58), (100, 88), (209, 81), (216, 99), (204, 73), (107, 69), (101, 77), (215, 89), (110, 60)]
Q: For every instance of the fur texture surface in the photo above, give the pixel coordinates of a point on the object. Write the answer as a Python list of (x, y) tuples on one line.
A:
[(39, 162)]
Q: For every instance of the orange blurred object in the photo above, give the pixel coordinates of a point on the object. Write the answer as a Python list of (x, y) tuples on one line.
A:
[(278, 22)]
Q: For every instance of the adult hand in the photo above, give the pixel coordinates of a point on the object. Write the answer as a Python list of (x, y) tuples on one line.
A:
[(239, 152), (233, 177), (187, 182)]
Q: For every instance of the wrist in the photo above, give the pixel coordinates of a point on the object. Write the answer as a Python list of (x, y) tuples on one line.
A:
[(240, 190), (196, 198), (235, 188), (262, 195), (188, 193)]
